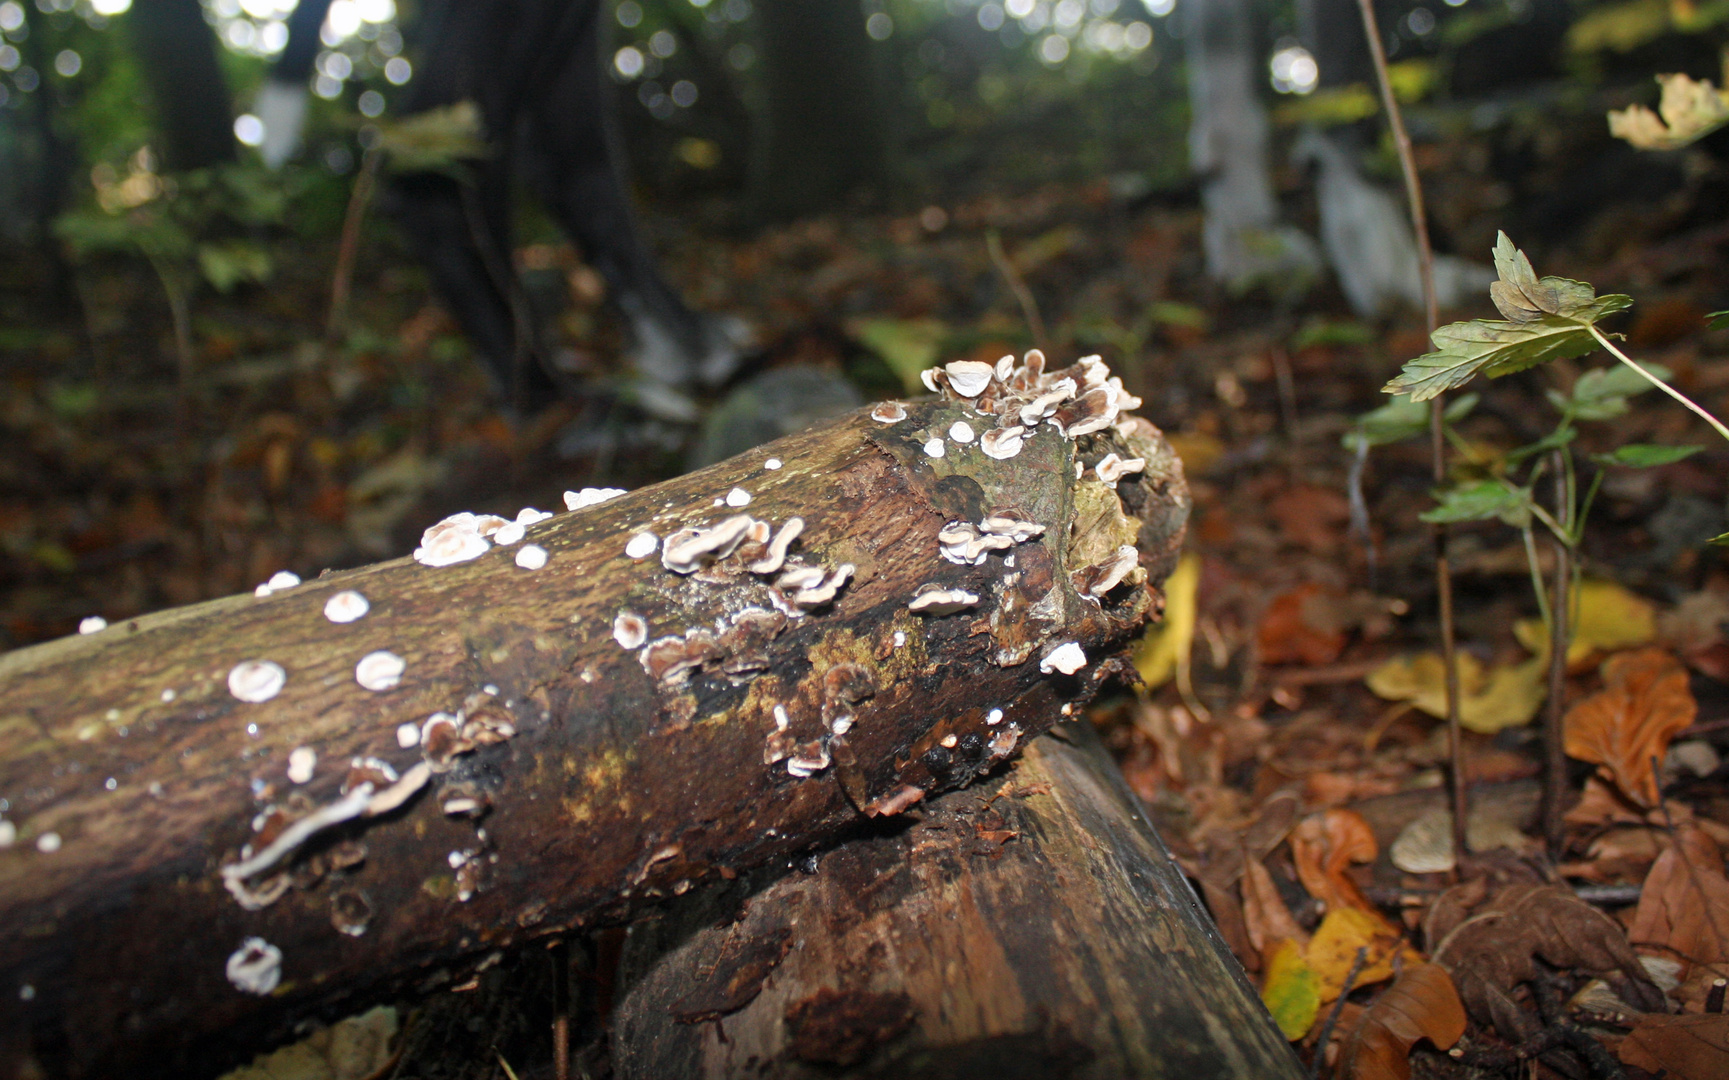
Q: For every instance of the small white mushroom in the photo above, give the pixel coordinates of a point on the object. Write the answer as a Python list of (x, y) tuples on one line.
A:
[(531, 557), (455, 539), (407, 735), (255, 967), (1046, 403), (936, 600), (1011, 525), (933, 379), (686, 550), (577, 500), (256, 681), (1112, 468), (934, 448), (92, 624), (379, 671), (8, 834), (900, 639), (1005, 368), (1002, 443), (629, 629), (1109, 575), (283, 579), (771, 464), (509, 533), (889, 412), (961, 542), (994, 717), (169, 695), (346, 606), (738, 497), (302, 760), (487, 525), (642, 545), (800, 577), (1066, 658), (528, 515), (775, 557), (820, 594), (968, 378), (48, 843), (961, 431), (262, 589)]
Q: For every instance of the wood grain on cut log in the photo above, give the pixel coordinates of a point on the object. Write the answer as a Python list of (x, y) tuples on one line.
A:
[(190, 873), (1032, 926)]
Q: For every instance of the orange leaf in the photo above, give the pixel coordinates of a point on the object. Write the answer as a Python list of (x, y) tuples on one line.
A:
[(1644, 702), (1324, 846), (1683, 1047), (1302, 626), (1421, 1004), (1684, 904), (1264, 910)]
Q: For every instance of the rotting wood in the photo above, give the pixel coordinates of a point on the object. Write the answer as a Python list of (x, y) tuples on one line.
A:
[(1029, 926), (171, 899)]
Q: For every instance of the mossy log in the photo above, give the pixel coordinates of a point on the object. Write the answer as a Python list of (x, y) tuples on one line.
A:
[(1030, 926), (185, 874)]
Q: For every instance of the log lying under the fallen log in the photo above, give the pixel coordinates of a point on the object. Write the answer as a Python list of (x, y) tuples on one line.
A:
[(1028, 926), (221, 819)]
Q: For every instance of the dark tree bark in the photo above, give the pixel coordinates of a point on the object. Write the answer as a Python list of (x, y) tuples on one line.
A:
[(150, 805), (1032, 926), (177, 55), (821, 137)]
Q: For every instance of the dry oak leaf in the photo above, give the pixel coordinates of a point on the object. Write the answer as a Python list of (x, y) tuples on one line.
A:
[(1644, 702), (1684, 905), (1487, 943), (1324, 846), (1421, 1004), (1265, 915), (1692, 1047)]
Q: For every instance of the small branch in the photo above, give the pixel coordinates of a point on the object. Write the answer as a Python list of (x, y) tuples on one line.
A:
[(1023, 295), (1560, 635), (1659, 383), (342, 275), (1326, 1035)]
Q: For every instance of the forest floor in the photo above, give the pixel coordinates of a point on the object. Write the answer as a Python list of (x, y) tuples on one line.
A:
[(1305, 804)]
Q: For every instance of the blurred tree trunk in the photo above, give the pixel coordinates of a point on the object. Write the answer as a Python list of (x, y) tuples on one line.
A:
[(820, 138), (177, 57)]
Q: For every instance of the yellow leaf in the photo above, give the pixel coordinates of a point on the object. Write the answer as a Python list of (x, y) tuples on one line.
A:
[(1197, 449), (1291, 990), (1333, 950), (1606, 617), (1691, 109), (1505, 696), (1166, 647)]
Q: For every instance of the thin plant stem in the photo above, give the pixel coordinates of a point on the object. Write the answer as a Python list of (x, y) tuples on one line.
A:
[(178, 314), (1560, 635), (1715, 423), (1437, 425), (1535, 565), (1023, 295), (342, 276)]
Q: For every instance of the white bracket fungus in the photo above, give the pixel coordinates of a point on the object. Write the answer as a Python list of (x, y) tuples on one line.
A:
[(1113, 467), (302, 760), (934, 448), (346, 606), (1003, 443), (577, 500), (969, 378), (509, 533), (528, 515), (455, 539), (962, 542), (408, 734), (92, 624), (1012, 525), (738, 497), (629, 629), (771, 464), (811, 757), (994, 717), (256, 681), (889, 412), (255, 967), (1066, 658), (641, 546), (775, 557), (1096, 581), (961, 431), (531, 557), (936, 600), (687, 550), (379, 671)]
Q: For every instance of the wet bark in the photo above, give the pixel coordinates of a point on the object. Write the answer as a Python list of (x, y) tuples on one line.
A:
[(1030, 926), (573, 785)]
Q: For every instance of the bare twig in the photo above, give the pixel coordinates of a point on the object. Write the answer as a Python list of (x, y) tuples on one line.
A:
[(1437, 438), (1326, 1035), (1023, 295), (1554, 756)]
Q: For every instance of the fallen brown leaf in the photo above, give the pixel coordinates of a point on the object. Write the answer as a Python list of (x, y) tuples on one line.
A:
[(1684, 906), (1487, 943), (1679, 1047), (1324, 846), (1421, 1004), (1644, 702), (1303, 626)]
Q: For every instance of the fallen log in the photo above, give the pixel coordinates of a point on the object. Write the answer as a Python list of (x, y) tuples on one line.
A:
[(222, 819), (1030, 926)]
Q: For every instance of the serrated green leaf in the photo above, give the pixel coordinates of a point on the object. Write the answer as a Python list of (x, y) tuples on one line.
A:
[(1717, 320), (1396, 421), (1720, 540), (1480, 501), (1602, 394), (1522, 298), (1645, 455), (1497, 348)]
